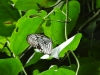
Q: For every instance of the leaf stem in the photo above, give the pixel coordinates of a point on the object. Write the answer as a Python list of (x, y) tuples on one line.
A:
[(89, 20), (69, 58), (24, 71), (88, 5), (66, 20), (93, 6), (78, 65), (57, 6)]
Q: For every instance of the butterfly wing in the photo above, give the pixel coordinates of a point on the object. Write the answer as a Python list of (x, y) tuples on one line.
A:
[(45, 44), (41, 42)]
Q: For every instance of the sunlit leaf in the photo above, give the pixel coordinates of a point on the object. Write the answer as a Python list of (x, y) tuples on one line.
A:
[(53, 67), (26, 25), (70, 44), (33, 4), (54, 28), (10, 66), (73, 13), (60, 71), (35, 72), (26, 4), (2, 41)]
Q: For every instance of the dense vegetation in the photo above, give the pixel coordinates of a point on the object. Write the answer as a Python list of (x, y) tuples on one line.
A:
[(72, 25)]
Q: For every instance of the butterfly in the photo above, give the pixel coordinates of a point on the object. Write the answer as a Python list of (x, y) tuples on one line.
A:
[(41, 42)]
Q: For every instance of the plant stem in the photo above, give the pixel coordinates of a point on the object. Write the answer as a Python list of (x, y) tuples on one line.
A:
[(93, 6), (66, 20), (58, 6), (88, 5), (78, 65), (89, 20), (24, 71), (69, 58)]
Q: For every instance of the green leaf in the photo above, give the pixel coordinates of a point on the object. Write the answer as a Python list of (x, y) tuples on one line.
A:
[(10, 66), (35, 72), (26, 25), (55, 28), (33, 59), (53, 67), (2, 41), (97, 4), (72, 45), (48, 72), (63, 71), (32, 4), (86, 60), (90, 68), (26, 4), (6, 51), (60, 71), (73, 13), (8, 18), (46, 3)]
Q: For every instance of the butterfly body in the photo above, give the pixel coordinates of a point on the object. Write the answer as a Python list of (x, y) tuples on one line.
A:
[(41, 42)]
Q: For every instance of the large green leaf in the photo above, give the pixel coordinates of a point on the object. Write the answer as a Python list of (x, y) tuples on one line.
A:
[(97, 4), (28, 24), (55, 29), (10, 66), (33, 4), (8, 17), (73, 13), (90, 68), (26, 4), (60, 71), (70, 44)]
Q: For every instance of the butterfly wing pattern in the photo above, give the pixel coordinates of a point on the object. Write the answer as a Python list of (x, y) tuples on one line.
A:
[(41, 42)]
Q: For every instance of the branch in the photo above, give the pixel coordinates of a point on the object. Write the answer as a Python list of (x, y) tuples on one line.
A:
[(78, 64), (89, 20)]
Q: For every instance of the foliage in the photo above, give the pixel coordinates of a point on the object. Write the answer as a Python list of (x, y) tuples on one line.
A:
[(72, 25)]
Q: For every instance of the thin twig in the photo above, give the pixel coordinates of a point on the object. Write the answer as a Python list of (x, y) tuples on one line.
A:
[(88, 5), (66, 19), (88, 21), (78, 65), (69, 58), (58, 6), (24, 71)]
